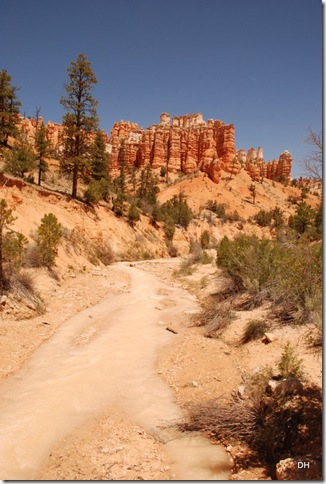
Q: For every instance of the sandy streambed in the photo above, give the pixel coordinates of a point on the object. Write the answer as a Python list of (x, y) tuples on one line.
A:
[(103, 357)]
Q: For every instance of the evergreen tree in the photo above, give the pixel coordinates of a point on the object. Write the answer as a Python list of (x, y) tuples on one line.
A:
[(49, 234), (100, 158), (148, 185), (133, 215), (303, 218), (42, 146), (80, 119), (6, 219), (9, 108), (21, 159)]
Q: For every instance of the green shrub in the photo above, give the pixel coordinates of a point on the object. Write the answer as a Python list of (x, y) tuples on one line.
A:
[(249, 262), (169, 228), (218, 208), (303, 218), (176, 209), (263, 218), (119, 205), (96, 191), (205, 239), (278, 217), (289, 273), (290, 365), (298, 279), (133, 214)]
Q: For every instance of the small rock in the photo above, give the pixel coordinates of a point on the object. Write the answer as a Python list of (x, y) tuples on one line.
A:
[(3, 300), (194, 384), (241, 391), (268, 338)]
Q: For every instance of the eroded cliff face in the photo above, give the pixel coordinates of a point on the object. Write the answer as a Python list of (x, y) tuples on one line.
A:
[(188, 143), (184, 144)]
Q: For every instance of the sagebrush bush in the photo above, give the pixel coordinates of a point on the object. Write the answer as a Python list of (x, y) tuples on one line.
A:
[(288, 272), (298, 279), (249, 262)]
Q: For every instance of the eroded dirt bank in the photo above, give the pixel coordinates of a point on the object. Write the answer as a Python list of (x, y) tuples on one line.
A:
[(86, 398)]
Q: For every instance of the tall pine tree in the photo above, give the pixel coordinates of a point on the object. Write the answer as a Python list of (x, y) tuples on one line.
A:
[(9, 108), (80, 119), (42, 145)]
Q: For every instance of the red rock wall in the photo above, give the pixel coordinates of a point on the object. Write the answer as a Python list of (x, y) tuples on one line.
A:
[(186, 144)]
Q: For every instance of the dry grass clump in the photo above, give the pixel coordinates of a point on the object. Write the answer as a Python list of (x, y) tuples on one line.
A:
[(22, 286), (215, 317), (255, 329), (227, 421), (274, 427)]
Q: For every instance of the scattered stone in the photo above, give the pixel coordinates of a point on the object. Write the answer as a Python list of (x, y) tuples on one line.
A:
[(271, 386), (241, 392), (268, 338), (3, 300)]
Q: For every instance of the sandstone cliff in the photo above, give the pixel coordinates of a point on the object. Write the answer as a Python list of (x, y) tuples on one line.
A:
[(184, 144)]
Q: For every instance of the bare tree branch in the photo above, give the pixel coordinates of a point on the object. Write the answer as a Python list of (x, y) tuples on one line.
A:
[(313, 162)]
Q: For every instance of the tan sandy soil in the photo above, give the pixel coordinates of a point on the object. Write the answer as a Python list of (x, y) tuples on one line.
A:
[(112, 446)]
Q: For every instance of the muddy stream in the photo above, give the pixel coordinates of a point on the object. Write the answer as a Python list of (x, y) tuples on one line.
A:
[(103, 356)]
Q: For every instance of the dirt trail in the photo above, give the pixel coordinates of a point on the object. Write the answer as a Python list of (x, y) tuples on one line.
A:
[(102, 357)]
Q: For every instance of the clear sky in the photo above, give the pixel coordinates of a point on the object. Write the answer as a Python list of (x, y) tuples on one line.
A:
[(254, 63)]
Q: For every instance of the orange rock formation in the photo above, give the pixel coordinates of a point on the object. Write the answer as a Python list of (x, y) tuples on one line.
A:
[(186, 144)]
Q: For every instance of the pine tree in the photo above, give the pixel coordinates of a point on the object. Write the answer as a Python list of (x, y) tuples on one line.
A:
[(80, 119), (100, 158), (49, 234), (21, 159), (9, 108), (42, 146), (6, 219)]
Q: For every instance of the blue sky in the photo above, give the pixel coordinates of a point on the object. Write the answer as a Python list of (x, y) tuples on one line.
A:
[(254, 63)]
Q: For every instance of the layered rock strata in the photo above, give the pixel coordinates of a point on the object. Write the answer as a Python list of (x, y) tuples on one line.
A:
[(184, 144)]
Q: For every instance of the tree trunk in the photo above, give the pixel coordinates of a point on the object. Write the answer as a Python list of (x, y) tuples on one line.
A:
[(75, 180), (1, 267)]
